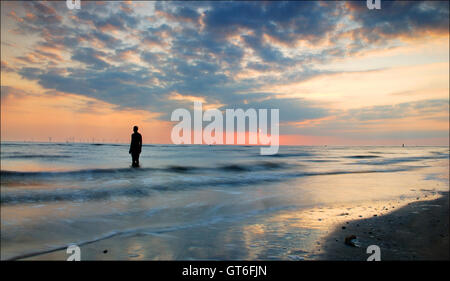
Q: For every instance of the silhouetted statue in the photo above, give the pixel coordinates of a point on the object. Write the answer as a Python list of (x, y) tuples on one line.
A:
[(135, 147)]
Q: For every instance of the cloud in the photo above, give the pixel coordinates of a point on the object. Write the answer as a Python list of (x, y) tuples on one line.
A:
[(290, 109), (401, 110), (91, 57), (402, 120), (6, 67), (285, 21), (400, 19), (202, 49)]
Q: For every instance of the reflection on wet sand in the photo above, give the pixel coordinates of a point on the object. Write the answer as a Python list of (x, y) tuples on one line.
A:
[(285, 235)]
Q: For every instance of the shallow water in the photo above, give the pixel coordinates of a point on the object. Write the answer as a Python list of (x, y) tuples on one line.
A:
[(207, 197)]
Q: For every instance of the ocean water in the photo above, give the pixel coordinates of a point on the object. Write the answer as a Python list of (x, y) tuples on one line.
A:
[(192, 202)]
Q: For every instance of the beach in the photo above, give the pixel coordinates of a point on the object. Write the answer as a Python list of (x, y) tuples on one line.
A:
[(417, 231), (183, 204)]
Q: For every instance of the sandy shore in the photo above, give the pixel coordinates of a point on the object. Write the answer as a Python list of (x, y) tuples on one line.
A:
[(417, 231), (406, 228)]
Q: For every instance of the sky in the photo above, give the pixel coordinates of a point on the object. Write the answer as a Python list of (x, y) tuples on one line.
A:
[(339, 73)]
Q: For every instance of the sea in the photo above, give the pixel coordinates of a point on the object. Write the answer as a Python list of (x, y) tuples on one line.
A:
[(193, 202)]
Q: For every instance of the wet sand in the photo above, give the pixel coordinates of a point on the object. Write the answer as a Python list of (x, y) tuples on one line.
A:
[(417, 231), (405, 229)]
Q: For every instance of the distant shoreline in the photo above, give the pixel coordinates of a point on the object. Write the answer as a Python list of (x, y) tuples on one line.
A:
[(206, 145), (417, 231)]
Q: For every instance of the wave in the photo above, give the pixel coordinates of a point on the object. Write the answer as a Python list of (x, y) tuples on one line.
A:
[(362, 156), (440, 153), (107, 144), (389, 161), (6, 173), (283, 155), (180, 169), (256, 166), (146, 190), (320, 160), (31, 156), (38, 144)]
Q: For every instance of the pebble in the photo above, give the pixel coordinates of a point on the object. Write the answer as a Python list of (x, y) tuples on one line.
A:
[(350, 240)]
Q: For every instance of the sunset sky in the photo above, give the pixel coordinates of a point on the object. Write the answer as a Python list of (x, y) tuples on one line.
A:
[(338, 72)]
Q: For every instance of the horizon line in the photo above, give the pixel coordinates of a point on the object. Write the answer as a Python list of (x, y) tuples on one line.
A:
[(256, 145)]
